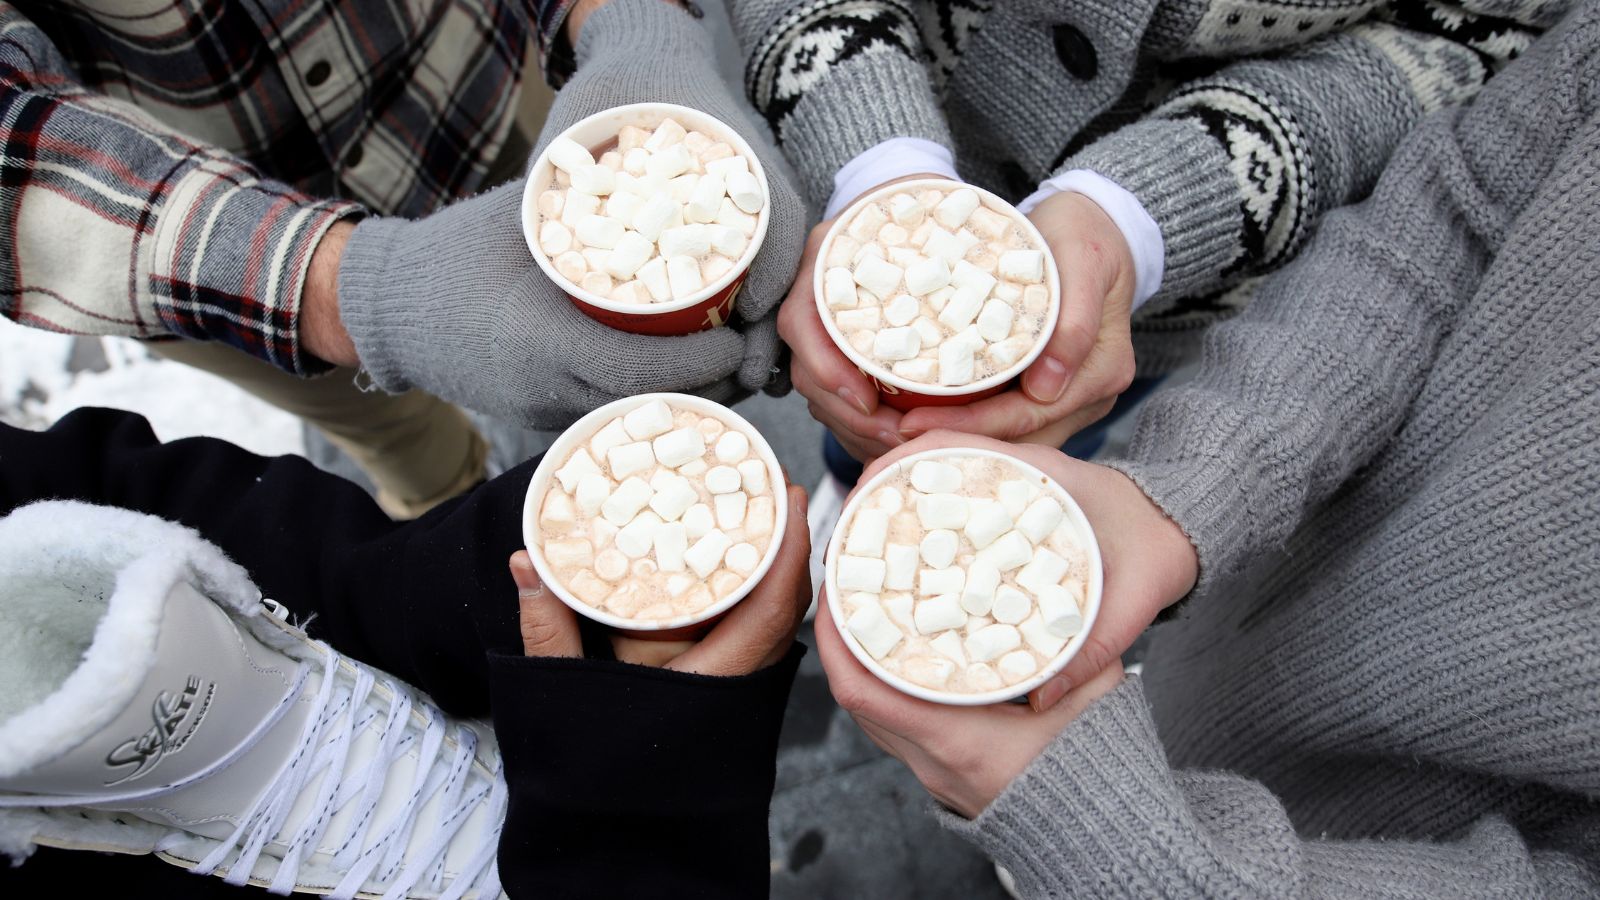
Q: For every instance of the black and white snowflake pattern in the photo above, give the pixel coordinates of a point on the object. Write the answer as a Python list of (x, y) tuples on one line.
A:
[(946, 26)]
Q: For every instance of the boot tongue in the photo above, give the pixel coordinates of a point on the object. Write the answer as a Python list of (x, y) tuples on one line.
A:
[(206, 692)]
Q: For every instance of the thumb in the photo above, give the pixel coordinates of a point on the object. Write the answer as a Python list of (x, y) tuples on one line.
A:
[(549, 628)]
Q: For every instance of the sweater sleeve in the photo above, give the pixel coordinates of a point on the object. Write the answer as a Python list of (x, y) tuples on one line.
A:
[(1302, 389), (1238, 166), (1101, 814), (835, 78)]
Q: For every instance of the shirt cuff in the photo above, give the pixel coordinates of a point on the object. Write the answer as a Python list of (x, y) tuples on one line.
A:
[(1138, 227), (891, 159)]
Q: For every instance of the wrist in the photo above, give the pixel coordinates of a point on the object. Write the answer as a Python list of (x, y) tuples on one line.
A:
[(322, 331), (1141, 234)]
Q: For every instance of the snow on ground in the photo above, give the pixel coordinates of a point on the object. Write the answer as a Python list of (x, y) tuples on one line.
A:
[(44, 376)]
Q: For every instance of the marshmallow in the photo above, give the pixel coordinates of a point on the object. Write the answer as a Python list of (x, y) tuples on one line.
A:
[(994, 322), (932, 582), (989, 223), (579, 465), (956, 208), (623, 205), (648, 420), (944, 245), (992, 641), (696, 142), (933, 477), (955, 364), (904, 257), (986, 520), (906, 211), (900, 566), (753, 475), (653, 216), (683, 274), (705, 200), (927, 276), (938, 299), (632, 251), (892, 235), (942, 510), (600, 231), (1039, 637), (1010, 293), (568, 155), (962, 309), (733, 217), (864, 227), (890, 500), (839, 288), (568, 554), (637, 537), (723, 480), (626, 501), (730, 509), (939, 614), (714, 268), (678, 584), (967, 275), (901, 310), (1015, 496), (1006, 353), (706, 554), (698, 520), (932, 335), (1058, 608), (601, 531), (842, 250), (758, 518), (1026, 266), (860, 573), (592, 491), (554, 238), (948, 645), (667, 133), (743, 558), (634, 160), (896, 343), (571, 266), (550, 203), (675, 448), (1041, 517), (898, 606), (915, 370), (867, 533), (611, 565), (694, 467), (557, 513), (730, 242), (612, 435), (653, 275), (596, 179), (686, 240), (1008, 552), (732, 447), (878, 276), (671, 543), (873, 630), (597, 283), (669, 163), (1044, 570), (939, 547), (745, 191), (726, 166), (868, 319), (977, 597), (1017, 665), (673, 498), (1010, 605), (928, 672), (982, 677)]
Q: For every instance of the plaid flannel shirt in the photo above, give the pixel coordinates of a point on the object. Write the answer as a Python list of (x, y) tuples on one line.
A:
[(167, 167)]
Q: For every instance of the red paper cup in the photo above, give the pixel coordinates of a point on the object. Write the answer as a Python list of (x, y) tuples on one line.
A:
[(904, 394), (711, 306)]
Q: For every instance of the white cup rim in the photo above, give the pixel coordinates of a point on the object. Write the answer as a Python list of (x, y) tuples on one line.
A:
[(881, 372), (585, 428), (538, 180), (1092, 592)]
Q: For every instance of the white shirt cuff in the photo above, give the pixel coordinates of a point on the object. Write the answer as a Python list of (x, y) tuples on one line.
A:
[(894, 158), (1138, 228)]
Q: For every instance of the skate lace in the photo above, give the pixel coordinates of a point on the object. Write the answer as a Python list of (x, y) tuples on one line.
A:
[(372, 857)]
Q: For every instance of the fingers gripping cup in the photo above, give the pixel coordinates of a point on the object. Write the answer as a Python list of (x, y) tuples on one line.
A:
[(655, 512), (648, 216), (940, 292), (963, 576)]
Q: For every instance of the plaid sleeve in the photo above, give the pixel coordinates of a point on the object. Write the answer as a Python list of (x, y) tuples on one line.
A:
[(119, 225)]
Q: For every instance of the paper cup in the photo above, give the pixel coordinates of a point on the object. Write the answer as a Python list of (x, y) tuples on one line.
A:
[(1081, 532), (904, 394), (711, 306), (577, 436)]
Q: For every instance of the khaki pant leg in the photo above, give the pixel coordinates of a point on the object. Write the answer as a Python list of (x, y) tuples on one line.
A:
[(418, 450)]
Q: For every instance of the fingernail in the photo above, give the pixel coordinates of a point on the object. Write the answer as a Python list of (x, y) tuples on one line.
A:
[(890, 438), (1047, 380), (850, 397), (910, 434), (802, 503), (1052, 692), (532, 591)]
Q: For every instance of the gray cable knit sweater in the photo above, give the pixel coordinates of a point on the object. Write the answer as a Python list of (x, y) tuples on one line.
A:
[(1387, 683), (1235, 160)]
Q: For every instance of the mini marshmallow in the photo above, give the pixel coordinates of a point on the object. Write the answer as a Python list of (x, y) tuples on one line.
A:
[(745, 191), (1010, 293), (667, 133), (901, 310), (956, 364), (915, 370), (1045, 569), (994, 322), (733, 217), (939, 547), (977, 597), (758, 518), (988, 223), (571, 266), (992, 641), (892, 235), (982, 677), (601, 531), (630, 292), (842, 250), (694, 468), (557, 513), (675, 448), (622, 205), (1039, 637), (1008, 552), (864, 227), (873, 630), (612, 435), (637, 537), (632, 250), (1058, 608), (939, 614), (962, 308), (878, 276), (940, 298), (966, 275), (686, 240), (858, 319), (1015, 495), (723, 480), (714, 267), (944, 245), (673, 498), (1040, 518), (948, 645), (1026, 266), (956, 208), (597, 283), (653, 217), (906, 211), (579, 465), (669, 163), (705, 200), (1017, 666), (934, 477), (653, 275), (839, 288), (1006, 353), (611, 565), (698, 520), (678, 584), (600, 231), (743, 558), (732, 447), (550, 203), (568, 155), (900, 566), (730, 509), (896, 343), (986, 520), (753, 475), (554, 238), (648, 420), (671, 543), (730, 242), (860, 573), (942, 510), (568, 554), (867, 533), (626, 501), (706, 554), (592, 491), (928, 672), (596, 179), (722, 168), (1010, 605), (634, 160), (927, 276), (904, 257), (683, 273), (932, 582)]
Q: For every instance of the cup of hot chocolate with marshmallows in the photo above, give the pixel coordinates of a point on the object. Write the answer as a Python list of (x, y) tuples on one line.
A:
[(655, 512), (963, 576)]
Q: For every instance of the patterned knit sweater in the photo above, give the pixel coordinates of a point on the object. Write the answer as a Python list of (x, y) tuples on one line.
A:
[(1387, 683), (1237, 123)]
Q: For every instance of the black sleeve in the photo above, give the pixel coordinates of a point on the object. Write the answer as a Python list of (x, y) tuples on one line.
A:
[(423, 600), (634, 782)]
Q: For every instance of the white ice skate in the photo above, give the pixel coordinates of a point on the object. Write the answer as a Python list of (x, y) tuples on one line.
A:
[(152, 702)]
